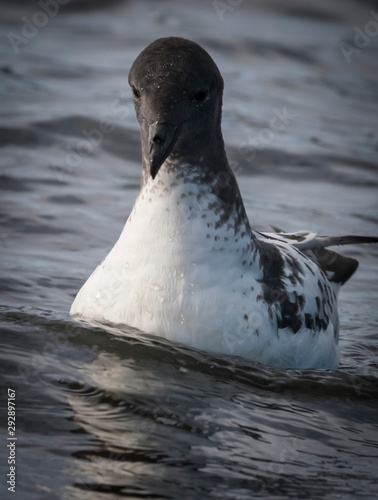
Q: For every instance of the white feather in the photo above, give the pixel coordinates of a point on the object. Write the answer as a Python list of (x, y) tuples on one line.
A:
[(172, 275)]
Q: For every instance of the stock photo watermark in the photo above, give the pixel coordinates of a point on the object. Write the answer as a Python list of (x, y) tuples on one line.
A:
[(92, 139), (56, 343), (280, 120), (362, 38), (32, 24), (286, 453), (223, 7), (11, 441)]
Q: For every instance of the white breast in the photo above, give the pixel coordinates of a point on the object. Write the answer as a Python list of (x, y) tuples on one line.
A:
[(171, 272), (175, 273)]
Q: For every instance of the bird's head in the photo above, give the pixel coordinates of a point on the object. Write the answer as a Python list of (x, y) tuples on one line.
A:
[(177, 90)]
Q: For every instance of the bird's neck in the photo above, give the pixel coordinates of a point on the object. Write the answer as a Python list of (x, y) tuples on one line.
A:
[(204, 148), (195, 198), (194, 191)]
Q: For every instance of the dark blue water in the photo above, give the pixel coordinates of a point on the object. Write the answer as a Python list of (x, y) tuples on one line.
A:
[(108, 414)]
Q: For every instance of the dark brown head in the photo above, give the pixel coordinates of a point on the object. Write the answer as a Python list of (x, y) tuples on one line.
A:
[(177, 91)]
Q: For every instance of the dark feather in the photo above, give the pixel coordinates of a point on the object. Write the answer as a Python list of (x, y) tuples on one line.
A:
[(337, 268)]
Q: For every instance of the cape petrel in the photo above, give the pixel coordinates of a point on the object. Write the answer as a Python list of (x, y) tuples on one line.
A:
[(188, 266)]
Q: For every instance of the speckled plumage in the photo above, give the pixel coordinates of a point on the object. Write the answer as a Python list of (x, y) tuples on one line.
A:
[(188, 266), (183, 271)]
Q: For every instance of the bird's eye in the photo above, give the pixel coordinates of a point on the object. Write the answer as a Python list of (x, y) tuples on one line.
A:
[(200, 96), (136, 92)]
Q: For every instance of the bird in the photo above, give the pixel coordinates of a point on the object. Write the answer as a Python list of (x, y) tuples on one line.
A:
[(187, 266)]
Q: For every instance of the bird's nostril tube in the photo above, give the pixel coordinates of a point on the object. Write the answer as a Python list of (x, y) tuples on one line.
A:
[(158, 139)]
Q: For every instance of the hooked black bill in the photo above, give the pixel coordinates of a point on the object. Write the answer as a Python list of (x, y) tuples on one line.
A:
[(161, 139)]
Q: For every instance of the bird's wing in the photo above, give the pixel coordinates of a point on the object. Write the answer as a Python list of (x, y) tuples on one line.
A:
[(305, 240), (337, 268)]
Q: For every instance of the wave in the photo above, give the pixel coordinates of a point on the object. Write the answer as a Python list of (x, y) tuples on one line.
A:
[(124, 343)]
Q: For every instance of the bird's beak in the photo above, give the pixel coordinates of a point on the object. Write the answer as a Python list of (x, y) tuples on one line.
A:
[(161, 139)]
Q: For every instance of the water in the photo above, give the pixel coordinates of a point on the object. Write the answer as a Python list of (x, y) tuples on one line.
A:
[(108, 414)]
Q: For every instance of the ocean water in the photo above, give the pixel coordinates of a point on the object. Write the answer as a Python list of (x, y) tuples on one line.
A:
[(103, 414)]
